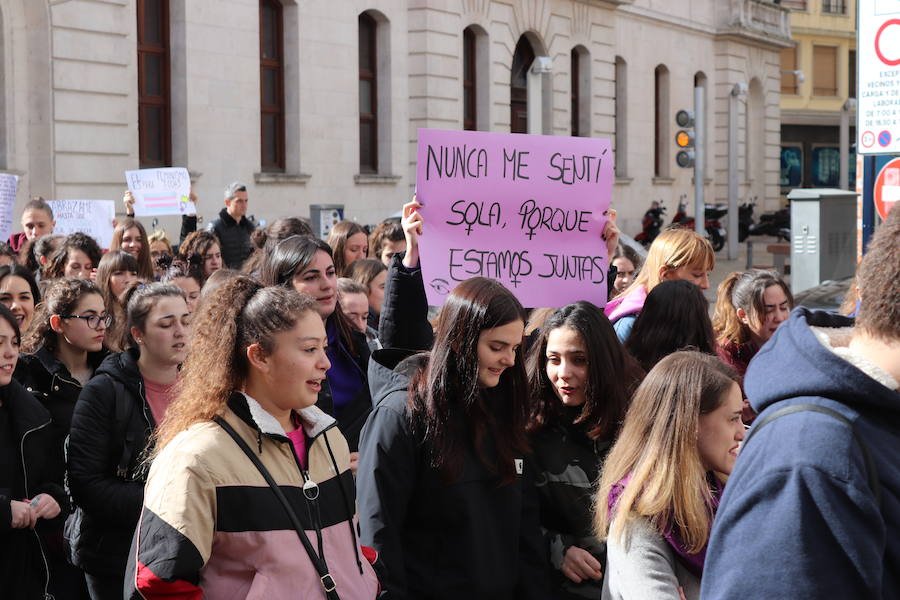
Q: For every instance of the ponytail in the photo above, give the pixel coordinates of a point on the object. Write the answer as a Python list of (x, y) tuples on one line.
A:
[(239, 313), (725, 320)]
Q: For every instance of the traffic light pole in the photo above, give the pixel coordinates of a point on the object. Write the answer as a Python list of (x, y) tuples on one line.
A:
[(699, 162)]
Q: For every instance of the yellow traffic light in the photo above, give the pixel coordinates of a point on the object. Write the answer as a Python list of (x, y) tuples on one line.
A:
[(684, 139)]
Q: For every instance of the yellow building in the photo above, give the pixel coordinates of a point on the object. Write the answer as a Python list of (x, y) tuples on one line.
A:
[(818, 75)]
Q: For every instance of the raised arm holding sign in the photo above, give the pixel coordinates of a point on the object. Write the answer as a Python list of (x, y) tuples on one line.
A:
[(529, 211), (164, 191)]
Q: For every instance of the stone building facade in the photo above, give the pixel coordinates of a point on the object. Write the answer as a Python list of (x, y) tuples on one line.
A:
[(70, 93)]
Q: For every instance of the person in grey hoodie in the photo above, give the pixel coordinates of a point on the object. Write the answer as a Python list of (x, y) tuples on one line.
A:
[(812, 508)]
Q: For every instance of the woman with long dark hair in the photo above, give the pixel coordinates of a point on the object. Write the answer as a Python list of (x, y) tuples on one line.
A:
[(445, 495), (581, 380), (675, 317), (305, 264)]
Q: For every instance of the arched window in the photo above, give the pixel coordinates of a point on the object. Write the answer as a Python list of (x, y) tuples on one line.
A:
[(580, 91), (154, 110), (518, 93), (271, 85), (754, 132), (368, 94), (661, 129), (621, 138)]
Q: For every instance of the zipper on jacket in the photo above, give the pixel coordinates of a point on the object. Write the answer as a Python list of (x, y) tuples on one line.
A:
[(28, 495), (311, 493)]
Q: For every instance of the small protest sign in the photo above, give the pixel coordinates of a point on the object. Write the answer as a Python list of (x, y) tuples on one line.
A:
[(8, 185), (526, 210), (92, 217), (164, 191)]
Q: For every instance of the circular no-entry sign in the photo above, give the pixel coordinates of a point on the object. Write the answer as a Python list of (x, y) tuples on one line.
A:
[(887, 188), (886, 46)]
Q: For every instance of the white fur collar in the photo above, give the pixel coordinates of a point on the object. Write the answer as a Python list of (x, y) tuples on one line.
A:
[(837, 340), (314, 419)]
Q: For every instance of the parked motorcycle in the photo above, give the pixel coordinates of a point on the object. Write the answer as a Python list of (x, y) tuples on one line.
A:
[(745, 219), (776, 224), (715, 230), (651, 224)]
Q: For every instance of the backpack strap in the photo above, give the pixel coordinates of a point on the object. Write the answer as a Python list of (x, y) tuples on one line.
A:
[(871, 470), (318, 561), (124, 410)]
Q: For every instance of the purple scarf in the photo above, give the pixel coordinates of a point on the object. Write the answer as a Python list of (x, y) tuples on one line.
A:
[(692, 562)]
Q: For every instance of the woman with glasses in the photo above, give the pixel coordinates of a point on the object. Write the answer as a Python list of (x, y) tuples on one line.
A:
[(115, 416), (60, 353)]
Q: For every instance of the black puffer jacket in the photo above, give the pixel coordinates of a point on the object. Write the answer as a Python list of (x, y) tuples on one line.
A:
[(472, 538), (234, 238), (111, 417), (23, 552), (404, 313), (50, 382), (568, 464)]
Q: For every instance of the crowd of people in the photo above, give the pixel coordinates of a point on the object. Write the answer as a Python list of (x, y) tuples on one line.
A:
[(259, 413)]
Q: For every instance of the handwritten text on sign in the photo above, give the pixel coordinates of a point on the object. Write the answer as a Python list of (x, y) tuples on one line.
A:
[(526, 210), (92, 217), (161, 191)]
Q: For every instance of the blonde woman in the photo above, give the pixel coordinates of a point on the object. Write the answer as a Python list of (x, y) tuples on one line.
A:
[(660, 489), (675, 254)]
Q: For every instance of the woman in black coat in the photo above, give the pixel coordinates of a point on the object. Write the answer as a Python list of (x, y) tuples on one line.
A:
[(114, 419), (580, 380), (32, 499)]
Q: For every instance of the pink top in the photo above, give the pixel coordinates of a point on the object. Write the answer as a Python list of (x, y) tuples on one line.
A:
[(159, 396), (623, 306), (298, 438)]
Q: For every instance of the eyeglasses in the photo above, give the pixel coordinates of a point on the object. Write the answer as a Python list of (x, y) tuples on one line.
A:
[(93, 321)]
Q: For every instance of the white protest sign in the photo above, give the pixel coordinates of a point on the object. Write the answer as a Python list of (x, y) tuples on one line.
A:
[(161, 191), (91, 217), (878, 92), (8, 185)]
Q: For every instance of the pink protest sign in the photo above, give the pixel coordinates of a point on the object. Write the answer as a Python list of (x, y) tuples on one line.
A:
[(526, 210)]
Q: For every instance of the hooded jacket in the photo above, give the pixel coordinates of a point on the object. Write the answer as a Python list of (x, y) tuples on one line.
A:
[(623, 311), (23, 552), (234, 238), (798, 515), (212, 527), (111, 501), (470, 539)]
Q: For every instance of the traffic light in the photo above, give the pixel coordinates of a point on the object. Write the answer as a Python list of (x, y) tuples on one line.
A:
[(684, 139)]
